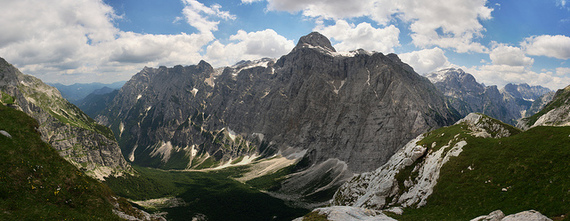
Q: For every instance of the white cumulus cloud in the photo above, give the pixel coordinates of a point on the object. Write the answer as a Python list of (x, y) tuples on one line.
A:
[(363, 35), (426, 60), (200, 16), (248, 46), (501, 75), (555, 46), (77, 41), (444, 23), (509, 55)]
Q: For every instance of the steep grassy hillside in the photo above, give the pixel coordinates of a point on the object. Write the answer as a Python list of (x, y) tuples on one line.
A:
[(529, 170), (37, 184)]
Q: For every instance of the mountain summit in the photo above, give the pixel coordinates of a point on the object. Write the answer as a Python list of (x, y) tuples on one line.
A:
[(315, 39), (336, 114)]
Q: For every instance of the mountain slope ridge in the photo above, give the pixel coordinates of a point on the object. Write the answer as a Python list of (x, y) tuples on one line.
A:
[(77, 137), (468, 173)]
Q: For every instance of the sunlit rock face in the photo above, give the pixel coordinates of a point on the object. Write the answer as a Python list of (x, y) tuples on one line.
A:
[(357, 107)]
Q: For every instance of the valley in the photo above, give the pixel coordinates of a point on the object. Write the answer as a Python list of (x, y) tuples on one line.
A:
[(213, 194), (314, 134)]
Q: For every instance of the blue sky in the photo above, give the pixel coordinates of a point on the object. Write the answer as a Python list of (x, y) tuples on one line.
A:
[(80, 41)]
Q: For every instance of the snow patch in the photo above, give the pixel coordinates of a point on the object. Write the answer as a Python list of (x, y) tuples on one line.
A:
[(194, 91), (264, 62), (139, 97)]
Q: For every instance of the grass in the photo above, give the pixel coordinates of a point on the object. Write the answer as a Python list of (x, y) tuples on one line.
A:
[(37, 184), (213, 194), (532, 167), (271, 181), (6, 98)]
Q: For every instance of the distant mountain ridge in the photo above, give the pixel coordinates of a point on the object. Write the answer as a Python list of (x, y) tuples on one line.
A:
[(76, 92), (466, 95)]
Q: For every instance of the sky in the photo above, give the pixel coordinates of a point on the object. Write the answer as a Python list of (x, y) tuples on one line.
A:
[(83, 41)]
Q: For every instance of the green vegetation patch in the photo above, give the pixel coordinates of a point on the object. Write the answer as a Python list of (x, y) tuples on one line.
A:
[(37, 184), (526, 171), (271, 181), (213, 194), (6, 98)]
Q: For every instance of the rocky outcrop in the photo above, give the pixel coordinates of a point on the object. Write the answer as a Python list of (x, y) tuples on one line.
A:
[(345, 213), (498, 215), (410, 175), (466, 95), (356, 107), (555, 113), (539, 103), (73, 134)]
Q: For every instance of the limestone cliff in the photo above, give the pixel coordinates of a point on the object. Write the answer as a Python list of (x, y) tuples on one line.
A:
[(72, 133), (357, 107)]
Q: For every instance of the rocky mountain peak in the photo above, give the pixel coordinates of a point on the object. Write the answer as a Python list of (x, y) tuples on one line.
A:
[(449, 74), (315, 39)]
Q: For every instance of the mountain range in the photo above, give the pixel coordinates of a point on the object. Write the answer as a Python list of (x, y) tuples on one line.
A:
[(361, 128), (507, 104), (75, 93), (341, 113)]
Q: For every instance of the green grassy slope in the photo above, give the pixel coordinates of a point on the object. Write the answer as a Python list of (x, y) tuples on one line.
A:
[(529, 170), (37, 184)]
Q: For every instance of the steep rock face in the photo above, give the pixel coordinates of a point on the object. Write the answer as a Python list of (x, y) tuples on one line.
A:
[(521, 97), (467, 96), (555, 113), (73, 134), (539, 103), (357, 108), (409, 177)]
